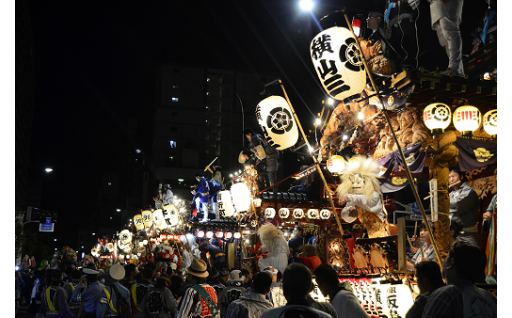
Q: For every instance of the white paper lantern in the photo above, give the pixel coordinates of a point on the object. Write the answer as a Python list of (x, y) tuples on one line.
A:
[(298, 213), (335, 164), (270, 213), (325, 214), (276, 120), (170, 215), (491, 122), (158, 218), (241, 196), (137, 221), (228, 235), (224, 203), (466, 119), (284, 213), (313, 214), (436, 117), (338, 62), (147, 218), (209, 234)]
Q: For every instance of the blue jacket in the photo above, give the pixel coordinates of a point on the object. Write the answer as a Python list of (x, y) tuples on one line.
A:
[(202, 187)]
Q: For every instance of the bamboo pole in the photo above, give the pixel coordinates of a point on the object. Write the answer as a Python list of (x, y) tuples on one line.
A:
[(407, 170), (314, 158)]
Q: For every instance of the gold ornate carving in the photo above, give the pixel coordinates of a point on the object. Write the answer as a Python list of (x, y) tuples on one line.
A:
[(484, 186), (472, 173), (337, 252)]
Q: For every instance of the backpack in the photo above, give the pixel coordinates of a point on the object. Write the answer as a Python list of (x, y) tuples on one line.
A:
[(154, 304), (124, 309)]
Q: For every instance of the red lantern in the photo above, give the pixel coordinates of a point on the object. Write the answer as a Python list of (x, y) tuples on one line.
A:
[(356, 26), (200, 233)]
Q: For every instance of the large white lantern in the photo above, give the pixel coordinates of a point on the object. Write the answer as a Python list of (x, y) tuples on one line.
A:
[(270, 213), (284, 213), (491, 122), (170, 215), (338, 62), (125, 238), (276, 120), (466, 119), (137, 221), (298, 213), (158, 218), (335, 164), (241, 196), (225, 204), (436, 117), (325, 214), (312, 214), (147, 218)]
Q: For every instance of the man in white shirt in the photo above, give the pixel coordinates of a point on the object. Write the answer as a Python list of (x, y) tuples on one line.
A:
[(341, 295)]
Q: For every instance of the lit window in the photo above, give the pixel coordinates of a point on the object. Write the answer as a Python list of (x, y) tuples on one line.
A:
[(138, 151), (110, 183), (172, 144), (208, 79), (111, 218), (207, 93), (175, 99)]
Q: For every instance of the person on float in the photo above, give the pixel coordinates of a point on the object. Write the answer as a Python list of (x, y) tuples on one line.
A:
[(217, 255), (360, 192), (273, 242), (168, 196), (464, 206), (113, 291), (215, 187), (53, 298), (426, 251), (257, 148), (309, 257), (296, 242), (201, 194)]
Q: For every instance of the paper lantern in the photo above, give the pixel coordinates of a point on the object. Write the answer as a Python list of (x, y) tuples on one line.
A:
[(298, 213), (200, 233), (466, 119), (241, 196), (325, 214), (256, 202), (313, 214), (335, 165), (270, 213), (237, 235), (436, 117), (147, 218), (137, 221), (209, 234), (276, 120), (284, 213), (219, 234), (158, 218), (228, 235), (356, 26), (338, 63), (491, 122), (170, 215), (224, 203)]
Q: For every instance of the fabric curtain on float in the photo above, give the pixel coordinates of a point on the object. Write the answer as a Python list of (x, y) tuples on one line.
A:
[(474, 154)]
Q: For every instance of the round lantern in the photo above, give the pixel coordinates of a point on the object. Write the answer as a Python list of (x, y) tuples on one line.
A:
[(147, 218), (237, 235), (228, 235), (284, 213), (158, 219), (241, 196), (170, 215), (270, 213), (312, 214), (137, 221), (335, 164), (209, 234), (219, 234), (200, 233), (491, 122), (325, 214), (466, 119), (224, 203), (298, 213), (436, 117)]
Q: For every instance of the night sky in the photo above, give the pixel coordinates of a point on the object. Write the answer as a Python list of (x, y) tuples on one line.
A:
[(96, 66)]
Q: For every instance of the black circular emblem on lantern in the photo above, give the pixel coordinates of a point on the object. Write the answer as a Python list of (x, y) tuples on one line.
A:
[(279, 120), (350, 54)]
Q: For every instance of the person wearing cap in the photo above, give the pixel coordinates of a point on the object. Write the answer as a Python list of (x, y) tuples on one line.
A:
[(168, 302), (233, 291), (297, 282), (111, 293), (201, 194), (89, 297), (200, 299), (254, 304), (53, 298)]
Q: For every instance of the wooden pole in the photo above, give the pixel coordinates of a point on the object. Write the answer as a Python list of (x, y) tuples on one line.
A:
[(402, 261), (320, 172), (407, 170)]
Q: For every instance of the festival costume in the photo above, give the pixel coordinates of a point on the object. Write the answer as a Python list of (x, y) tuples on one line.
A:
[(464, 206), (203, 194), (273, 241)]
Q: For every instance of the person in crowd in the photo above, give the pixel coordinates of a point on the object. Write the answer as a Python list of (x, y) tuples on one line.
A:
[(232, 292), (254, 304), (187, 256), (273, 242), (297, 283), (247, 281), (140, 289), (111, 295), (53, 298), (493, 207), (89, 297), (176, 287), (463, 267), (217, 255), (425, 249), (296, 242), (341, 295), (428, 278), (159, 300), (224, 276), (39, 284), (276, 295), (129, 279), (200, 299), (322, 306), (446, 16), (213, 280), (74, 275), (168, 196), (309, 257), (464, 205), (201, 194)]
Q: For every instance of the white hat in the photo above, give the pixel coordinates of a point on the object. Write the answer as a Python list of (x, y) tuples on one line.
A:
[(88, 271), (117, 271), (236, 276)]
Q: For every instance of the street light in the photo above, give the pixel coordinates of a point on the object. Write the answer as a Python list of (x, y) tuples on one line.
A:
[(306, 5), (118, 210), (48, 169)]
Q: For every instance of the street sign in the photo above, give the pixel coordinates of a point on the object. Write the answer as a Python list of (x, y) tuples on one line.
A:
[(46, 227)]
